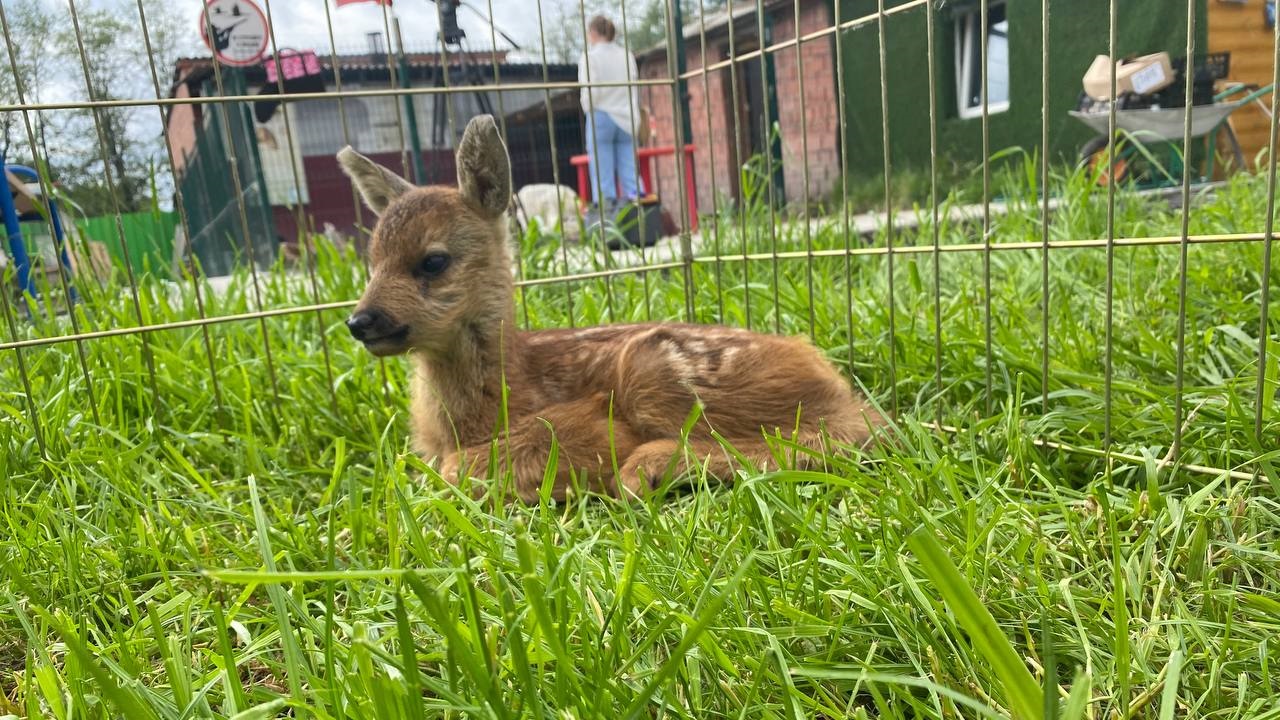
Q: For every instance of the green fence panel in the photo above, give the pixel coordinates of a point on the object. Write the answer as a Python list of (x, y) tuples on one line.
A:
[(229, 229), (148, 236)]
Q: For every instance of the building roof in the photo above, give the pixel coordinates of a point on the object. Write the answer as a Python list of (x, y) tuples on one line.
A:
[(714, 22), (193, 71), (557, 102)]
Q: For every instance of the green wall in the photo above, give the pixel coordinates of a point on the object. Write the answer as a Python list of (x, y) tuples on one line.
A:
[(148, 236), (1078, 31)]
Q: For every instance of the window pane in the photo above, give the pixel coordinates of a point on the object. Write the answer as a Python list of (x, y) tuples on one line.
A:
[(997, 31), (973, 44), (997, 55)]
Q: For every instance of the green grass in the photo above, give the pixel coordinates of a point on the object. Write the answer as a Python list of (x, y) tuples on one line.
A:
[(216, 535)]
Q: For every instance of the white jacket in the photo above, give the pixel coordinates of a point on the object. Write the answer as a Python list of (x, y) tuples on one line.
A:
[(610, 62)]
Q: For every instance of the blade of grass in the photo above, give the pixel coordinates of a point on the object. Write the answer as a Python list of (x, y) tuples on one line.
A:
[(700, 624), (1021, 692)]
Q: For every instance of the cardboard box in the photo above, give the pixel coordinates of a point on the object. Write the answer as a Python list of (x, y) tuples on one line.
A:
[(1142, 75)]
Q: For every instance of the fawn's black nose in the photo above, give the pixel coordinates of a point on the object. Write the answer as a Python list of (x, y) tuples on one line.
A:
[(366, 324)]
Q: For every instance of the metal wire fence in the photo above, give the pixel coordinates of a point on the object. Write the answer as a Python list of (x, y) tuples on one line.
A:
[(761, 93)]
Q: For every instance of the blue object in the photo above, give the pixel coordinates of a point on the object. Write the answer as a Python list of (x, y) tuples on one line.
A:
[(1269, 12), (18, 247), (613, 159)]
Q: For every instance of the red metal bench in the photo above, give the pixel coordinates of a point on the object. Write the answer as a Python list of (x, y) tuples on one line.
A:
[(644, 163)]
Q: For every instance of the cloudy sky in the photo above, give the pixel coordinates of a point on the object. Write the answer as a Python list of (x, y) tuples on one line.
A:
[(301, 23)]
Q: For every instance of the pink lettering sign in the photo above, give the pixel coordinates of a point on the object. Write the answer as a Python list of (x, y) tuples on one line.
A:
[(294, 64)]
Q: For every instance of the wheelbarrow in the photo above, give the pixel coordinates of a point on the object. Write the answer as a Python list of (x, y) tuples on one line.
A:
[(1145, 131)]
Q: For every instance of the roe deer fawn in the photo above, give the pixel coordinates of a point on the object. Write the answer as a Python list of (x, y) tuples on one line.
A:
[(615, 397)]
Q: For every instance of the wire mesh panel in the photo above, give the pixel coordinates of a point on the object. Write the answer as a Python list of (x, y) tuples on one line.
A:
[(1050, 269), (213, 204), (770, 130)]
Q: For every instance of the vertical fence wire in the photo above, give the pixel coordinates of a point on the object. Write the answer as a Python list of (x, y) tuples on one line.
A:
[(43, 179), (1262, 400), (450, 115), (183, 219), (633, 94), (888, 203), (594, 166), (46, 190), (109, 178), (844, 186), (6, 307), (237, 184), (675, 43), (25, 376), (555, 160), (711, 157), (1175, 450), (356, 203), (987, 320), (740, 167), (1044, 206), (506, 138), (631, 97), (300, 219), (763, 39), (935, 229), (407, 169), (343, 119), (804, 166), (1108, 311)]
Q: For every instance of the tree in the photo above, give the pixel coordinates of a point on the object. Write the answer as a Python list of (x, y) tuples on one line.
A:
[(26, 66), (109, 59), (81, 146), (646, 24), (106, 71), (563, 31)]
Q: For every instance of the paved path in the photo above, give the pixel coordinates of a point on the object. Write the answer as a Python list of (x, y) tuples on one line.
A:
[(703, 242), (863, 225)]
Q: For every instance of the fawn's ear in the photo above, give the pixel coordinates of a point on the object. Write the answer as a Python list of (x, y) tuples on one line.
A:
[(377, 185), (484, 170)]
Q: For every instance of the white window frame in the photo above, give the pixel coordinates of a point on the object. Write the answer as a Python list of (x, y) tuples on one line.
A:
[(967, 28)]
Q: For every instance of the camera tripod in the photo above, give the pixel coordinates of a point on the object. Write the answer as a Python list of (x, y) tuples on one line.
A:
[(451, 41)]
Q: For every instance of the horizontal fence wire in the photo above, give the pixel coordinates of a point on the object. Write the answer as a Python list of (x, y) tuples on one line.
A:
[(1136, 460), (232, 98), (693, 32), (975, 248)]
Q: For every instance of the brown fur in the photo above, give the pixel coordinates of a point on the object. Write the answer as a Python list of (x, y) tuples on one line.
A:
[(612, 397)]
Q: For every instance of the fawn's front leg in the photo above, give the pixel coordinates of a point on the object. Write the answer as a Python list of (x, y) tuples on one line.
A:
[(654, 462), (587, 441)]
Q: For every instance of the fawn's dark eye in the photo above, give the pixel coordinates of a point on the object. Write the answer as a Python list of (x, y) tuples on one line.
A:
[(433, 264)]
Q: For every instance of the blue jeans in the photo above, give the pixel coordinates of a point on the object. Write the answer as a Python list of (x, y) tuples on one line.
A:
[(613, 159)]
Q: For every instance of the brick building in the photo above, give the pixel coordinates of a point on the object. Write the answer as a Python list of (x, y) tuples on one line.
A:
[(288, 171), (734, 103)]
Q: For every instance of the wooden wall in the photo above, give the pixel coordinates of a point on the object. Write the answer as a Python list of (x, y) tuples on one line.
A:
[(1240, 28)]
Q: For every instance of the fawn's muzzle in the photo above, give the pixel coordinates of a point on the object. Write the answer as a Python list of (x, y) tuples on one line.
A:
[(371, 325)]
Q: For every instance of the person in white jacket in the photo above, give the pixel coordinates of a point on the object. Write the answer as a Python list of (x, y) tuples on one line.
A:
[(611, 114)]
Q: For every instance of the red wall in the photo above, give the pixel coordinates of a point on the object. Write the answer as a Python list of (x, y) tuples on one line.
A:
[(818, 107), (330, 194), (712, 119)]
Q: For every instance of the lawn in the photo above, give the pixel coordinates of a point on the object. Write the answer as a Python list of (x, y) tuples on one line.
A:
[(224, 521)]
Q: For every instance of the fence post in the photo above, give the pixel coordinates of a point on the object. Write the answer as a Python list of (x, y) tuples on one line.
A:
[(682, 91), (419, 174)]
